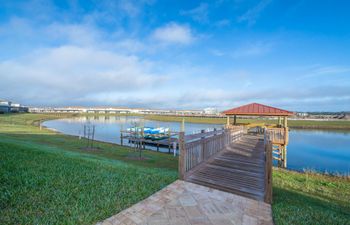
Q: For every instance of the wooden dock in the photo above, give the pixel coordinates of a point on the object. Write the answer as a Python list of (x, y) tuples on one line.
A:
[(232, 161), (239, 169), (167, 142)]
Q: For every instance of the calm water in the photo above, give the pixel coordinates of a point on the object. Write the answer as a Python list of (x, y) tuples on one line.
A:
[(320, 150), (108, 128)]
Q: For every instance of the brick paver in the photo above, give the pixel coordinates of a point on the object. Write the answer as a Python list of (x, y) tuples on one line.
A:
[(184, 203)]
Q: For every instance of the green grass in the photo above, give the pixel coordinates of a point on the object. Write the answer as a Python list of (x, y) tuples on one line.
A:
[(309, 198), (307, 124), (46, 178)]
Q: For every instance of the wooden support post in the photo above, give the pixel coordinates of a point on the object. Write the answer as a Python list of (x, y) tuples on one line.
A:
[(281, 156), (285, 157), (182, 156), (174, 148), (286, 140), (93, 136), (183, 125), (227, 121), (169, 141), (285, 121), (268, 173), (235, 120)]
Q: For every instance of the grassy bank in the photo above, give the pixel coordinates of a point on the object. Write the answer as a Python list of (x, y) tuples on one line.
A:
[(48, 178), (303, 124), (309, 198)]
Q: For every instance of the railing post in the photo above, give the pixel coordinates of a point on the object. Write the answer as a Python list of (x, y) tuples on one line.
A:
[(203, 146), (182, 155), (268, 173), (227, 137)]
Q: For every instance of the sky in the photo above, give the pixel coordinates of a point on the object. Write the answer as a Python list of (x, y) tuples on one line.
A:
[(293, 54)]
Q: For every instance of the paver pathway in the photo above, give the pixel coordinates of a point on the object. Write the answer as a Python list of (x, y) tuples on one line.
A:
[(184, 203)]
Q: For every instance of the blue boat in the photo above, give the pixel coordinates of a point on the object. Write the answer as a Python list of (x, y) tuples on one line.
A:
[(150, 132)]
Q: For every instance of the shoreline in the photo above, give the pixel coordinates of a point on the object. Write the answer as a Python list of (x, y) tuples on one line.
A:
[(55, 131), (301, 170), (343, 125)]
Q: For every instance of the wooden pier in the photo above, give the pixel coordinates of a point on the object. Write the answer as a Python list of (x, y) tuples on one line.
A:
[(238, 169), (232, 161)]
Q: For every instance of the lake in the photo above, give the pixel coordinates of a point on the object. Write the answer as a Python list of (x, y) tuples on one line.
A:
[(107, 128), (321, 150)]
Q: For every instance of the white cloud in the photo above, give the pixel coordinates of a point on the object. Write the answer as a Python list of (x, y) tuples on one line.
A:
[(252, 49), (252, 14), (317, 71), (332, 70), (200, 13), (77, 34), (174, 33), (223, 23), (129, 7), (69, 73)]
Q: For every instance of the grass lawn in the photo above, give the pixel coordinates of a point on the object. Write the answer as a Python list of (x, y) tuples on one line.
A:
[(309, 198), (47, 178)]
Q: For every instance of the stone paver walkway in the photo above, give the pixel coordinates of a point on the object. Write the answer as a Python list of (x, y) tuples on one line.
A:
[(184, 203)]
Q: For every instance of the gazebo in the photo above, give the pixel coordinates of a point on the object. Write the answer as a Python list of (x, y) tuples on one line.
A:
[(278, 136), (256, 109)]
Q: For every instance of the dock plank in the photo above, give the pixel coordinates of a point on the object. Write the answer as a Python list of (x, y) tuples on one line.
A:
[(238, 169)]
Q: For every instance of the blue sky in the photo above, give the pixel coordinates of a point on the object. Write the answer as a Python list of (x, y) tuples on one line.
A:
[(176, 54)]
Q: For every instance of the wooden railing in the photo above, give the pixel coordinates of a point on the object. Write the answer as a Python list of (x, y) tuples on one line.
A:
[(203, 146), (277, 135), (268, 172)]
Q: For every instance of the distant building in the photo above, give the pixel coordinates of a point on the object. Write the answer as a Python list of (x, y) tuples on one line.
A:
[(210, 111), (10, 107), (302, 114), (4, 106)]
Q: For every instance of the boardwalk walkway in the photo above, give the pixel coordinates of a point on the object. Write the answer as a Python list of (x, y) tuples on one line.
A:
[(239, 169)]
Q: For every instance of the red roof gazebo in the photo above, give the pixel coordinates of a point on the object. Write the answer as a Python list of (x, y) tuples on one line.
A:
[(256, 109), (278, 136)]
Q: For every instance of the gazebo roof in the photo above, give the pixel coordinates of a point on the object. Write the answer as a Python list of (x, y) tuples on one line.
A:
[(256, 109)]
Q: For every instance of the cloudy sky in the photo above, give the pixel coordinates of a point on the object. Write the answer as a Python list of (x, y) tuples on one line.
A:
[(176, 54)]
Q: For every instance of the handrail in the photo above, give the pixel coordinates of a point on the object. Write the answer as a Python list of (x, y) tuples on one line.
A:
[(277, 135), (196, 151), (190, 137)]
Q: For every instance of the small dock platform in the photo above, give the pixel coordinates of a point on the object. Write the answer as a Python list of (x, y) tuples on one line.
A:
[(167, 142)]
